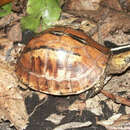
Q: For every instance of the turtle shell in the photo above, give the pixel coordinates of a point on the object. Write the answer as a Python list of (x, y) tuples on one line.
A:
[(62, 61)]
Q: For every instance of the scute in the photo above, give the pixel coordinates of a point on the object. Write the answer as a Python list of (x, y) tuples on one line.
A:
[(59, 64)]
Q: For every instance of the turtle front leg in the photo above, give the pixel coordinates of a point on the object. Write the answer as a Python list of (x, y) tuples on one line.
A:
[(98, 86)]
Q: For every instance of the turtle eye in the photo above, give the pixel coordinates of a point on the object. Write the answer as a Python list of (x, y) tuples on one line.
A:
[(127, 60)]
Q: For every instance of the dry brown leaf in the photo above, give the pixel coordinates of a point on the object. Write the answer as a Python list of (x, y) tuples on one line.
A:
[(11, 100), (117, 122), (82, 4), (15, 33)]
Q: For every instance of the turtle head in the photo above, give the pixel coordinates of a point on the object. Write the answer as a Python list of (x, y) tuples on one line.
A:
[(119, 60)]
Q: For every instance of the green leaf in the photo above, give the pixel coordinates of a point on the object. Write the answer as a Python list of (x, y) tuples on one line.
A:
[(34, 7), (51, 13), (43, 12), (30, 22), (5, 10)]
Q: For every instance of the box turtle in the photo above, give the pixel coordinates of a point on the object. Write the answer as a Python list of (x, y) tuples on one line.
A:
[(64, 61)]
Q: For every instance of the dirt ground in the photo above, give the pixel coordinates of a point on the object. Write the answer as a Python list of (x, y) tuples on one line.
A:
[(22, 108)]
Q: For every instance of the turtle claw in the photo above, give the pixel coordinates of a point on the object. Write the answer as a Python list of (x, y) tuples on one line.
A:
[(91, 93)]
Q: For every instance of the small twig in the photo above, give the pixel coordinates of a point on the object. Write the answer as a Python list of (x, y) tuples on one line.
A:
[(116, 98), (35, 108)]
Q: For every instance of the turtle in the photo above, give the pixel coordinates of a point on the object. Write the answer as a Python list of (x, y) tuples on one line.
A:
[(64, 61)]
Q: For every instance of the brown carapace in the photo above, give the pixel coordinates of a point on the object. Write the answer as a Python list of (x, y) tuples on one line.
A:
[(62, 61), (3, 2)]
